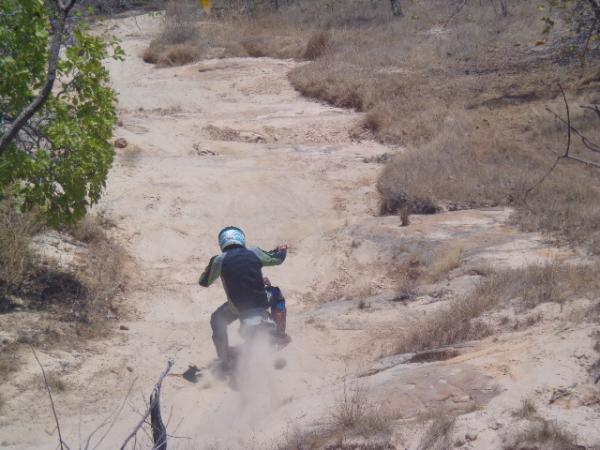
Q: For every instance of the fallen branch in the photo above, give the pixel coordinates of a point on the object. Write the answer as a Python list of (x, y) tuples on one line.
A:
[(63, 445), (153, 407)]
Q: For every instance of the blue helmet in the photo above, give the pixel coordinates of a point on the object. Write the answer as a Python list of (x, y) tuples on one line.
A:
[(231, 236)]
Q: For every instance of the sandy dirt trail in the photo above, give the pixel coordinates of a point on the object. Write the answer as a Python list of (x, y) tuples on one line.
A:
[(222, 142)]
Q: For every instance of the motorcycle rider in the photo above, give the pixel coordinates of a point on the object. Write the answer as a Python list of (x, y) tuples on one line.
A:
[(240, 269)]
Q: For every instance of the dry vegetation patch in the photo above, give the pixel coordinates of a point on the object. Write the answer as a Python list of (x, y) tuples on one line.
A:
[(46, 303), (520, 290), (354, 423), (179, 40), (543, 433)]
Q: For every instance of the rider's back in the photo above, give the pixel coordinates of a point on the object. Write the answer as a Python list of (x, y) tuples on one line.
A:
[(241, 273)]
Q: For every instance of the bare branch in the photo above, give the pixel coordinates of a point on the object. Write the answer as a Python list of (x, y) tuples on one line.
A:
[(566, 155), (585, 141), (154, 400), (567, 149), (63, 445), (594, 108)]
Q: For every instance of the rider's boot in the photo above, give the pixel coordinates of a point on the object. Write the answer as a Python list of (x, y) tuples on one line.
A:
[(223, 353)]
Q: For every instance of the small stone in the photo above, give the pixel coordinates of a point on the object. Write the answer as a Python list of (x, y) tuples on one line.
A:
[(459, 443), (16, 301), (121, 143), (124, 328), (470, 436), (129, 368), (496, 426)]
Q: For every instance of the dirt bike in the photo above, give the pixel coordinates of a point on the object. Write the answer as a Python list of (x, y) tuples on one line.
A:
[(266, 330)]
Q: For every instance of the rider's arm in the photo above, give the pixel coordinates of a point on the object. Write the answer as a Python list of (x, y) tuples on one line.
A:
[(212, 271), (272, 258)]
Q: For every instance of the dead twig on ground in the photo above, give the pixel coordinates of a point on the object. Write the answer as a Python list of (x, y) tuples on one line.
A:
[(62, 444), (158, 429)]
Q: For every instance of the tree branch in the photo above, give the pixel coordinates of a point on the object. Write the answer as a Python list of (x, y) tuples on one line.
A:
[(566, 155), (60, 440), (58, 29), (588, 144)]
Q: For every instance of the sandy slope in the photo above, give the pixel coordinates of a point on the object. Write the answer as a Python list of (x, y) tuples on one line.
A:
[(229, 142)]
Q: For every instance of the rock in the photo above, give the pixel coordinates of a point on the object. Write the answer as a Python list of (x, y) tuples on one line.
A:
[(496, 426), (471, 437), (129, 368), (16, 301), (121, 143), (124, 328), (459, 443)]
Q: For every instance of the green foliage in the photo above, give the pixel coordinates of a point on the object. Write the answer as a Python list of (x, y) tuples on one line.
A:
[(60, 161)]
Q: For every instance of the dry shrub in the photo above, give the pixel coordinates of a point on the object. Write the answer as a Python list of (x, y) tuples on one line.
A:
[(542, 433), (179, 41), (9, 361), (353, 416), (55, 382), (460, 320), (446, 326), (179, 24), (89, 230), (527, 410), (317, 45), (103, 276), (17, 260), (437, 434), (448, 259)]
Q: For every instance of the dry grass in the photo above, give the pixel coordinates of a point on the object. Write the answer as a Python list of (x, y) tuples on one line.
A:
[(179, 40), (353, 417), (17, 260), (527, 410), (317, 45), (438, 433), (9, 361), (522, 289), (55, 381), (542, 433), (449, 258), (102, 273)]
